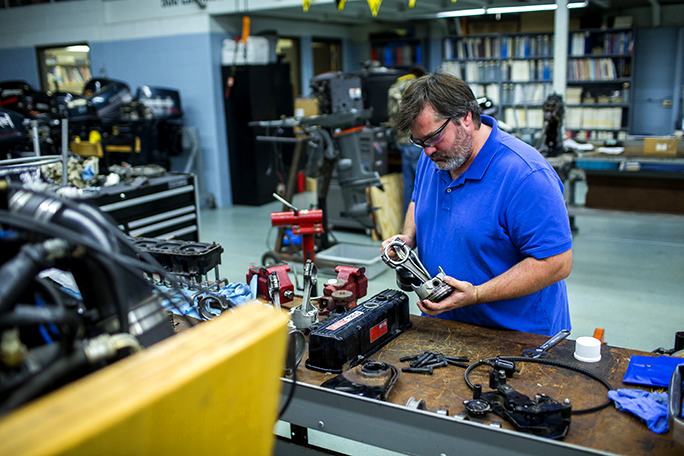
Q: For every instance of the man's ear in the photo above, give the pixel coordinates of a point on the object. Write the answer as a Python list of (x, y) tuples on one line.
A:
[(467, 120)]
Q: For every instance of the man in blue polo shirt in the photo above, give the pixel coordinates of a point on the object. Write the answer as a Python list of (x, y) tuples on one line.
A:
[(489, 210)]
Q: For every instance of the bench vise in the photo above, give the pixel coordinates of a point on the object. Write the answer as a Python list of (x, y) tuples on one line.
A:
[(351, 284), (286, 286)]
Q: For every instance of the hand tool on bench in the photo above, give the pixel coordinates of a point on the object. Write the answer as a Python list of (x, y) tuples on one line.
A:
[(541, 351)]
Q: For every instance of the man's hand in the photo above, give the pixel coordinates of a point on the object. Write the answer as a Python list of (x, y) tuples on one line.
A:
[(406, 239), (464, 294)]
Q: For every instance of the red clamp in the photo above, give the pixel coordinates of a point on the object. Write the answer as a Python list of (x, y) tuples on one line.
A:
[(306, 223), (286, 287), (350, 286)]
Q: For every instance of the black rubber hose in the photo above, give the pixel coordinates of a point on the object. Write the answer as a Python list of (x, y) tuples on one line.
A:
[(68, 331), (57, 371), (17, 273), (51, 229), (41, 356), (29, 314), (548, 362)]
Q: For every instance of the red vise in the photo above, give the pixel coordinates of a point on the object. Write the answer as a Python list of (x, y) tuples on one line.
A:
[(350, 286), (286, 287)]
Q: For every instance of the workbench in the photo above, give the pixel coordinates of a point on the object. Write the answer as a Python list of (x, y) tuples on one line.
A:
[(392, 425)]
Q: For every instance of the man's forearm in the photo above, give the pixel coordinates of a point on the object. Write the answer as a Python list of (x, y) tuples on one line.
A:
[(410, 225), (525, 278)]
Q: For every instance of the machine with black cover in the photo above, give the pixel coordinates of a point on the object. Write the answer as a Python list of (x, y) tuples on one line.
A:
[(140, 130), (73, 296), (359, 332)]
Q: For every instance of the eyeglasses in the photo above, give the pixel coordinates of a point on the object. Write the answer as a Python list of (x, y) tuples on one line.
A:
[(426, 142)]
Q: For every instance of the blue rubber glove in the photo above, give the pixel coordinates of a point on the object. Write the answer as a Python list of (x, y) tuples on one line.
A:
[(650, 407)]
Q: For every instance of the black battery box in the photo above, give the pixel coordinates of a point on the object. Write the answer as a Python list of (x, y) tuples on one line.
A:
[(359, 332)]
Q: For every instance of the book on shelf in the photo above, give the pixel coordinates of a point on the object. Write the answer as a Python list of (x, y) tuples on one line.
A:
[(472, 48), (573, 95), (527, 46), (608, 118), (525, 94), (397, 54), (602, 69), (600, 43), (524, 118), (527, 70)]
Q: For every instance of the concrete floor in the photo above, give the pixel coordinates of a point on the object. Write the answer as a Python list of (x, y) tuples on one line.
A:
[(627, 278)]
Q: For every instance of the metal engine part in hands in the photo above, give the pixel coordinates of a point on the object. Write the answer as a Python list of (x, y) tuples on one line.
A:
[(306, 314), (410, 270)]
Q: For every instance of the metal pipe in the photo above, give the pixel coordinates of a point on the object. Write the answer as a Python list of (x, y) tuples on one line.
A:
[(560, 48), (677, 89), (36, 142), (65, 151), (655, 13)]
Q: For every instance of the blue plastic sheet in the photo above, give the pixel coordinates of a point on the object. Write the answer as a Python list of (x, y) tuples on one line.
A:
[(649, 371)]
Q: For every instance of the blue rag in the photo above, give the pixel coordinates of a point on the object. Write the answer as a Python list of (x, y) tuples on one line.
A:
[(650, 407), (237, 293)]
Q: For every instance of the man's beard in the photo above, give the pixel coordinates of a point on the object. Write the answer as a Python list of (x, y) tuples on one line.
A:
[(458, 154)]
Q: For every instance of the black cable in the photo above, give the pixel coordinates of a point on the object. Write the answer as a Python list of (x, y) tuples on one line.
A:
[(68, 333), (549, 363), (58, 370), (290, 394), (27, 314), (51, 229), (42, 356)]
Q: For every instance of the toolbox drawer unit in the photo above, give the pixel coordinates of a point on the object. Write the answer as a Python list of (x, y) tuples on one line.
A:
[(165, 207)]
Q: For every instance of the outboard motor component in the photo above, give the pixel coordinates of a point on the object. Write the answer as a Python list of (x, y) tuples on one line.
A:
[(12, 129), (164, 103), (358, 333), (123, 298), (73, 295), (371, 379), (542, 416), (337, 92), (412, 275), (105, 103), (20, 97)]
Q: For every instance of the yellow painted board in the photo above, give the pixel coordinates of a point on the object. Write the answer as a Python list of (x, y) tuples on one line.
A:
[(389, 215), (212, 389)]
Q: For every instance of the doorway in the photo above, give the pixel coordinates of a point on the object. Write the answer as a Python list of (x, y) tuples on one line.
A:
[(64, 68)]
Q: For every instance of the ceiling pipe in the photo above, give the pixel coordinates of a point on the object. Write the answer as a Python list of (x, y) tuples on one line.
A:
[(656, 13)]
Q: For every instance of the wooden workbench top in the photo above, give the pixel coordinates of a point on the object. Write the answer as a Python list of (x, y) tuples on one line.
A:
[(607, 430)]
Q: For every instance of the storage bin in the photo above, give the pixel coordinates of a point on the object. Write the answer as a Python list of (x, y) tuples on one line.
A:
[(367, 256)]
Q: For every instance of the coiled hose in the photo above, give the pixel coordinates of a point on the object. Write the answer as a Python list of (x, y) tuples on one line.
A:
[(548, 362)]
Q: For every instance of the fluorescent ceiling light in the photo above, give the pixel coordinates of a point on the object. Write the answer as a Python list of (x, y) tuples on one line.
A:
[(464, 12), (578, 5), (529, 8), (520, 9), (78, 48), (507, 9)]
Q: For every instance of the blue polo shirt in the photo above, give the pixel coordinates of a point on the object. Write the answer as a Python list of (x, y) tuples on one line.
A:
[(507, 206)]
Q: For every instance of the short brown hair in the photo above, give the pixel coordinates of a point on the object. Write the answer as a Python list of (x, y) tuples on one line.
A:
[(450, 97)]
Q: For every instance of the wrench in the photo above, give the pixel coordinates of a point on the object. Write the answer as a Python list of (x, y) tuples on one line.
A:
[(541, 351)]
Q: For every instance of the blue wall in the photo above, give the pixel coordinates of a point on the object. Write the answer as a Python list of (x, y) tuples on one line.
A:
[(654, 75), (20, 64), (190, 64)]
